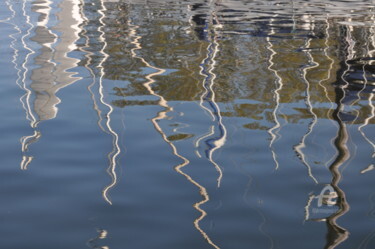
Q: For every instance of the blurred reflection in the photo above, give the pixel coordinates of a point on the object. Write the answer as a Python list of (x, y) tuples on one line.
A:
[(25, 99), (54, 66), (21, 70), (93, 243)]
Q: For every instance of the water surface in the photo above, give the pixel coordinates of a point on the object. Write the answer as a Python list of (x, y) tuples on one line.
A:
[(187, 124)]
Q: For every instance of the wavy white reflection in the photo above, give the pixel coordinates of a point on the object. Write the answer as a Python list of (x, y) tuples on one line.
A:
[(162, 115), (208, 66), (112, 156), (299, 148), (274, 131)]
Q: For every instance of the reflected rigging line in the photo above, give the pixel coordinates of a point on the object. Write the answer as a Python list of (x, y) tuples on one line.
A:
[(25, 159), (25, 99), (343, 155), (324, 88), (299, 148), (89, 55), (370, 102), (207, 70), (162, 115), (112, 156), (330, 65), (274, 131), (364, 79)]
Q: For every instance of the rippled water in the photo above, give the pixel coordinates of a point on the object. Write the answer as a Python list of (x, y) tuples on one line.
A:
[(187, 124)]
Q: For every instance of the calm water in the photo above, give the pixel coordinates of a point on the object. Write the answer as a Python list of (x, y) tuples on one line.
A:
[(187, 124)]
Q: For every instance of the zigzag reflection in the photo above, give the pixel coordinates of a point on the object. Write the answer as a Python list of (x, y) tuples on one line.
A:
[(112, 156), (25, 99), (88, 65), (274, 131), (336, 234), (370, 54), (39, 100), (21, 76), (299, 148), (320, 83), (162, 115), (208, 97)]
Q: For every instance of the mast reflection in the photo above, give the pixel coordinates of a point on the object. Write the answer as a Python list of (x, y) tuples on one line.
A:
[(274, 131), (51, 75), (299, 148), (162, 102), (207, 66), (112, 156)]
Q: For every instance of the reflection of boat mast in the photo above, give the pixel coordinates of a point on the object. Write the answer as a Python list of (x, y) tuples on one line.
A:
[(337, 234), (207, 67), (25, 99), (370, 54), (25, 159), (53, 61), (274, 131), (320, 83), (162, 115), (299, 148), (112, 156), (326, 54), (89, 56)]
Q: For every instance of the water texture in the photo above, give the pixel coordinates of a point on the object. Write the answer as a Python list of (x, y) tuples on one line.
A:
[(223, 124)]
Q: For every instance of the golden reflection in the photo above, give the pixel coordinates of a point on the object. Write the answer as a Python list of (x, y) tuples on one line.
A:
[(162, 115)]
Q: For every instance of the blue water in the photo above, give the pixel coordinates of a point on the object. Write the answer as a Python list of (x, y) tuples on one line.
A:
[(192, 124)]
